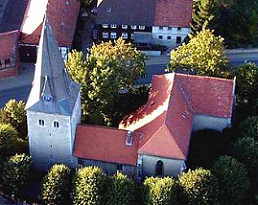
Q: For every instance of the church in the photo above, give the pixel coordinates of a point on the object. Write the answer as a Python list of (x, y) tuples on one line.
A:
[(152, 141)]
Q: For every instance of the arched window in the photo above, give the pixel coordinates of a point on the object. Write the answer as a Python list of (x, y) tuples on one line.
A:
[(159, 168), (41, 123), (56, 124)]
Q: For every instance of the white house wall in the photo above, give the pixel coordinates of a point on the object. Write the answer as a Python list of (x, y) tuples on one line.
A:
[(165, 33), (201, 122), (48, 144), (172, 167)]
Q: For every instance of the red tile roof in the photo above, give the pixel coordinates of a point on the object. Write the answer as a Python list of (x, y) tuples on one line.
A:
[(174, 13), (8, 44), (105, 144), (62, 16), (166, 119)]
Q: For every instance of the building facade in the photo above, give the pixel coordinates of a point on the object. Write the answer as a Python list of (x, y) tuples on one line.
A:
[(162, 22)]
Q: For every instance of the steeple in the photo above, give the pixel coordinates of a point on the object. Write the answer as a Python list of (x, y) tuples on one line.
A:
[(52, 90)]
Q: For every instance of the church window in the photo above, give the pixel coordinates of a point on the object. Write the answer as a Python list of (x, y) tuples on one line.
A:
[(119, 167), (159, 169), (56, 124), (41, 123)]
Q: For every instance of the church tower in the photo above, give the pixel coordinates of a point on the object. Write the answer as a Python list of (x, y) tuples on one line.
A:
[(53, 107)]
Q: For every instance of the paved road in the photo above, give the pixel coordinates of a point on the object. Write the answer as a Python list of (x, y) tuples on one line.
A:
[(20, 93)]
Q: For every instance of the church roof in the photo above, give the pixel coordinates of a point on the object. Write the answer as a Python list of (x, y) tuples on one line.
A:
[(52, 90), (106, 144), (166, 119)]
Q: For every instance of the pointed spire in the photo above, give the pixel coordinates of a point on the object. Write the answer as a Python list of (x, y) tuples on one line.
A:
[(52, 91)]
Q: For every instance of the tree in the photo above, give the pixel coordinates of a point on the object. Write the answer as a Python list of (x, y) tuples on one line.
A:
[(203, 15), (249, 127), (246, 87), (246, 151), (14, 113), (86, 3), (204, 54), (16, 172), (109, 68), (122, 190), (8, 136), (233, 180), (56, 186), (199, 187), (89, 186), (236, 22), (160, 191)]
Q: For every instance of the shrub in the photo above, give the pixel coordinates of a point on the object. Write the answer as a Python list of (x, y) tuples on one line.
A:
[(89, 186), (8, 136), (233, 180), (56, 186), (16, 173), (160, 191), (199, 186), (246, 151), (14, 113), (249, 127), (122, 190)]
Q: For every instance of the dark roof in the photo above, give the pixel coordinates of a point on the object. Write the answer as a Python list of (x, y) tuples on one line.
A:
[(52, 91), (176, 13), (13, 15)]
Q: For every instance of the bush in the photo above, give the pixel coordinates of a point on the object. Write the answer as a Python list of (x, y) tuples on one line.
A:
[(56, 186), (8, 136), (89, 186), (199, 186), (249, 127), (122, 190), (16, 173), (14, 113), (160, 191), (246, 151), (233, 180)]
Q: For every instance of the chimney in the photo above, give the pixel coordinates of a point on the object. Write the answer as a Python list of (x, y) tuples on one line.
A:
[(129, 138)]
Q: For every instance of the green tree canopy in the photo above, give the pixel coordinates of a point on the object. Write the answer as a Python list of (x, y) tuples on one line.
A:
[(246, 87), (203, 15), (8, 136), (199, 187), (160, 191), (204, 54), (56, 186), (14, 113), (109, 68), (89, 187), (246, 151), (122, 190), (16, 173), (233, 180), (249, 127)]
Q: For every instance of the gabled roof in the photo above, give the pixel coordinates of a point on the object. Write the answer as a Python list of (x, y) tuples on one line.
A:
[(166, 119), (105, 144), (52, 89), (8, 44), (174, 13), (61, 14)]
